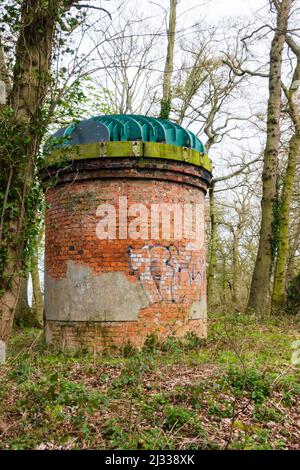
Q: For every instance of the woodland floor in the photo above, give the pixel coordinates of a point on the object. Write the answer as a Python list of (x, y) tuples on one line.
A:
[(238, 390)]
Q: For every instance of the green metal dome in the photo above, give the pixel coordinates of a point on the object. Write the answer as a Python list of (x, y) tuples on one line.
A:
[(125, 136), (124, 128)]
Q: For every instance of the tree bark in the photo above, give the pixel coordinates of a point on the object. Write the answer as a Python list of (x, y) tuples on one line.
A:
[(23, 311), (165, 105), (22, 131), (260, 285), (291, 268), (235, 266), (280, 276), (224, 280)]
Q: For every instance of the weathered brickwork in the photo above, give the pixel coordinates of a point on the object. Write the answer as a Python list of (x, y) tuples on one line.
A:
[(105, 293), (99, 337)]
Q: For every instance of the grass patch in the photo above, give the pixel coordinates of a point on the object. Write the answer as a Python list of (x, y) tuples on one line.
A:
[(237, 389)]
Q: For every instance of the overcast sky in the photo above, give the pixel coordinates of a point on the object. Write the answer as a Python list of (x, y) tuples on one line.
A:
[(229, 8), (213, 10)]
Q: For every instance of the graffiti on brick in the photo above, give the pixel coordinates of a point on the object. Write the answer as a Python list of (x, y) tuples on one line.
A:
[(169, 274)]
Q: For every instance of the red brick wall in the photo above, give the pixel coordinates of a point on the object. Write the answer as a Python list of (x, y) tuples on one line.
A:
[(171, 274)]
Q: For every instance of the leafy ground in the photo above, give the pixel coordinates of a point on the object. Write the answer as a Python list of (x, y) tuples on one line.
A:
[(238, 390)]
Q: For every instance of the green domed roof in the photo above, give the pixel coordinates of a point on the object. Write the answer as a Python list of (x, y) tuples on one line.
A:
[(121, 127)]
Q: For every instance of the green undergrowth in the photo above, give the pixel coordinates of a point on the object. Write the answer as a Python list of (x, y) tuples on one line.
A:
[(237, 389)]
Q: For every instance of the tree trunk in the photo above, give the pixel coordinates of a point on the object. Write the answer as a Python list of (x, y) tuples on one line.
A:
[(212, 264), (260, 285), (38, 301), (224, 280), (291, 268), (23, 311), (22, 130), (9, 301), (280, 277), (235, 268), (165, 104)]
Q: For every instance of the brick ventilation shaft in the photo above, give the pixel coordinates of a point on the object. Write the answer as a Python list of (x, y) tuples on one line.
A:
[(102, 293)]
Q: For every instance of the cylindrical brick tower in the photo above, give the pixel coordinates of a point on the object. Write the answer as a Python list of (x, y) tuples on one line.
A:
[(124, 254)]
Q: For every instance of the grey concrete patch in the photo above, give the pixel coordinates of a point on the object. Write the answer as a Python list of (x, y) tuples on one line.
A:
[(198, 310), (84, 296), (2, 352)]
